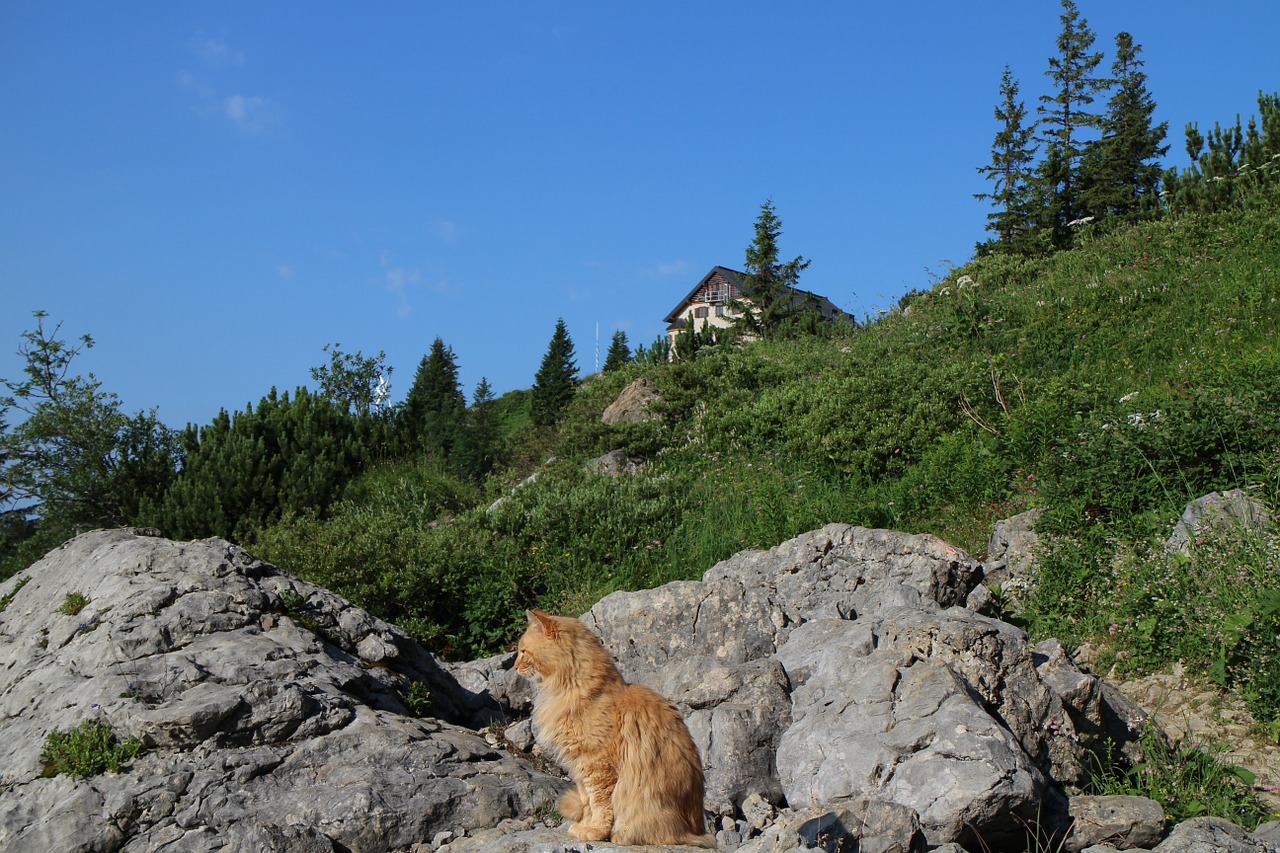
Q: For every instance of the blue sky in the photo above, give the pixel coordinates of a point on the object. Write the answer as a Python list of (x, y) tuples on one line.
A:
[(215, 191)]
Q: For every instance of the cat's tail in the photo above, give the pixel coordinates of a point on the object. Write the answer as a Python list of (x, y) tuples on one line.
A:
[(571, 805), (706, 840)]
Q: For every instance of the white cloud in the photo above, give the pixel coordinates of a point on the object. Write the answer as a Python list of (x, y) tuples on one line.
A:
[(216, 53), (249, 114), (444, 230), (403, 281), (285, 272)]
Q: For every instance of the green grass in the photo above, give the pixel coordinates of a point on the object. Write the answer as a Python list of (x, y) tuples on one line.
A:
[(8, 597), (1187, 778)]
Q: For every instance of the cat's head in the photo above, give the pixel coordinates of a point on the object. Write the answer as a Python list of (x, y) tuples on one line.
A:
[(546, 645)]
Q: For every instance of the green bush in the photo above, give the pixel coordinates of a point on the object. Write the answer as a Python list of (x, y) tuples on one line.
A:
[(90, 748)]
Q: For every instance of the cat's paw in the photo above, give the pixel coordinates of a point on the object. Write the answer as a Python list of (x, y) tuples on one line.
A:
[(587, 832)]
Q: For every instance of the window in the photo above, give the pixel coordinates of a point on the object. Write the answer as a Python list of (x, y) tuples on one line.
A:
[(700, 312), (720, 310)]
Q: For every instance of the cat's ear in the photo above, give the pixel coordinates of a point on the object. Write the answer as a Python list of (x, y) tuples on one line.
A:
[(543, 623)]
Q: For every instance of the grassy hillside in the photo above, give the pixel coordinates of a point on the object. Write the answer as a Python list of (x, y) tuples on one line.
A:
[(1109, 384)]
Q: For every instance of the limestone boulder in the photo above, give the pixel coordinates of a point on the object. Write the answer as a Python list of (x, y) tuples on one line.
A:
[(633, 405), (273, 715), (843, 664)]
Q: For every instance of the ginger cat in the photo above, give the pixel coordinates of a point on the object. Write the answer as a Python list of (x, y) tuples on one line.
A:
[(638, 774)]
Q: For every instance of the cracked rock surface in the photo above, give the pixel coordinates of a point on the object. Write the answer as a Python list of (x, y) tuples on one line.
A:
[(271, 712)]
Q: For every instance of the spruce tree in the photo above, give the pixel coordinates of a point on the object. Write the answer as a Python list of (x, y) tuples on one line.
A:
[(769, 285), (481, 445), (619, 352), (1064, 117), (433, 410), (1121, 173), (556, 380), (1010, 169)]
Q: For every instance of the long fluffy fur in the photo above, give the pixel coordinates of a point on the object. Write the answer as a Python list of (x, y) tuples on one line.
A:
[(638, 775)]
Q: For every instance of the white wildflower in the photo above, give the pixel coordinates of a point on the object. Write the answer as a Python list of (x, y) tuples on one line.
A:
[(1127, 397)]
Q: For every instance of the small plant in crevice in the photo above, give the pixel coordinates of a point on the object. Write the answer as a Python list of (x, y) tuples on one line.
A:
[(7, 599), (90, 748), (73, 604), (295, 605), (417, 698)]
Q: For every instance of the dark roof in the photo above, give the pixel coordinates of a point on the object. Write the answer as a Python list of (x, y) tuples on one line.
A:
[(735, 278)]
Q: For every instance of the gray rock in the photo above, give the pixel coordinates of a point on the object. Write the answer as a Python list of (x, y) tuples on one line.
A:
[(777, 838), (910, 730), (515, 838), (1268, 833), (735, 715), (634, 404), (1230, 513), (1101, 715), (263, 727), (862, 825), (995, 661), (1207, 835), (886, 684), (757, 811), (1011, 552), (1125, 822), (611, 464)]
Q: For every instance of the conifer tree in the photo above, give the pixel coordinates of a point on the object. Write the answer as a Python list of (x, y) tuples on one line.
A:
[(619, 352), (481, 445), (1010, 169), (1064, 119), (242, 473), (1121, 177), (556, 380), (433, 410), (768, 284), (1238, 168)]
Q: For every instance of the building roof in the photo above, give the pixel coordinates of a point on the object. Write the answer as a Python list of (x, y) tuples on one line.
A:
[(735, 278)]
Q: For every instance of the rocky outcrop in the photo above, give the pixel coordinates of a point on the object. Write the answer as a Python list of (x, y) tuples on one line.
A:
[(273, 714), (634, 404), (1011, 552), (842, 664), (841, 693)]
